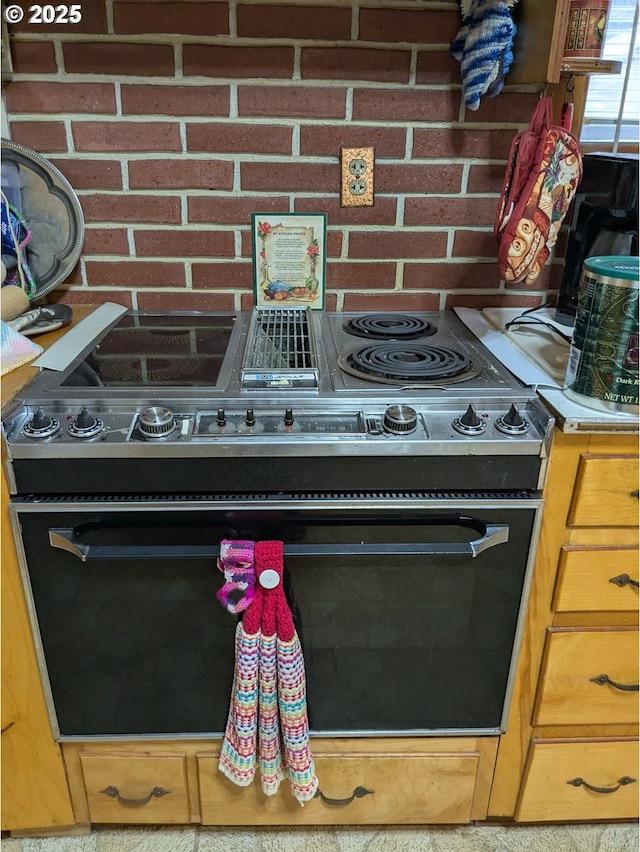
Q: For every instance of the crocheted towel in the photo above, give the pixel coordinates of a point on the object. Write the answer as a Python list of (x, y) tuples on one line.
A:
[(236, 563), (483, 46), (16, 349), (268, 708)]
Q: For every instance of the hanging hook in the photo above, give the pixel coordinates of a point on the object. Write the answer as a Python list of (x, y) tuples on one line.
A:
[(569, 90)]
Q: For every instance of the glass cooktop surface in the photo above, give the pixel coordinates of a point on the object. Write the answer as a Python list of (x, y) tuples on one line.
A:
[(157, 350)]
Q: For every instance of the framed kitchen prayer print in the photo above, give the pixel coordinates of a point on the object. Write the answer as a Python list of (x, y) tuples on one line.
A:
[(289, 259)]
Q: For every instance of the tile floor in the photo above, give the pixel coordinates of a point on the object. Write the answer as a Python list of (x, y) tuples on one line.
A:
[(617, 837)]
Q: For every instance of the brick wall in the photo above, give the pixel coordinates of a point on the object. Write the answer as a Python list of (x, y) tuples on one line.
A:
[(174, 121)]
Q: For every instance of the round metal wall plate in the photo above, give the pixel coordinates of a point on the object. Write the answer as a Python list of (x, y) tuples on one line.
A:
[(51, 208)]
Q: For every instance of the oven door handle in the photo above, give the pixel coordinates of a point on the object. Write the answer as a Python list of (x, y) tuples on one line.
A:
[(66, 538)]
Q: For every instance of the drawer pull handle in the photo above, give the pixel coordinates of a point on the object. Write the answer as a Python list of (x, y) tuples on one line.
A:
[(624, 580), (358, 793), (635, 493), (6, 728), (114, 793), (603, 680), (621, 782)]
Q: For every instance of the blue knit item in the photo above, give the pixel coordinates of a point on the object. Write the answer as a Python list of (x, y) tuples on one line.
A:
[(483, 47)]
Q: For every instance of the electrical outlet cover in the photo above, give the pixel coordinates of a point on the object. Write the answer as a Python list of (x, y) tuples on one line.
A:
[(356, 177)]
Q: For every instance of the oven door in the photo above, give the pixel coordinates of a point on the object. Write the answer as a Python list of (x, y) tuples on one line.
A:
[(408, 608)]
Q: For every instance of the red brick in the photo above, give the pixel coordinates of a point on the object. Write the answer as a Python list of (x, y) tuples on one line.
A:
[(431, 210), (146, 99), (222, 276), (486, 178), (507, 108), (397, 244), (226, 210), (121, 207), (135, 273), (475, 244), (33, 57), (448, 276), (204, 19), (212, 60), (126, 136), (326, 141), (105, 241), (94, 20), (422, 26), (291, 101), (184, 243), (361, 276), (491, 300), (383, 211), (334, 243), (405, 105), (236, 138), (118, 59), (89, 296), (397, 301), (310, 22), (437, 66), (180, 174), (41, 136), (462, 142), (90, 174), (355, 63), (420, 178), (185, 301), (42, 97), (289, 177)]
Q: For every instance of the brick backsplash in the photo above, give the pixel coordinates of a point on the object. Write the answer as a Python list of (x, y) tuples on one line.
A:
[(174, 121)]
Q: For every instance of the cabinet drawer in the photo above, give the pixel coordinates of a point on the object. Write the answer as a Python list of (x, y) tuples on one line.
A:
[(425, 788), (136, 788), (548, 793), (585, 580), (567, 693), (603, 494)]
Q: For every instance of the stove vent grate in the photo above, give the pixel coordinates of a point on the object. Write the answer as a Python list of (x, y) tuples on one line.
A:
[(280, 350)]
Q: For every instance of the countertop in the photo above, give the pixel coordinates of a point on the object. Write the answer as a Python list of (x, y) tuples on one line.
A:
[(538, 357), (14, 381)]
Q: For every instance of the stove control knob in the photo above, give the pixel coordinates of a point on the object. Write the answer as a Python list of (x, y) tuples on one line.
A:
[(512, 423), (156, 422), (221, 419), (469, 423), (85, 425), (41, 425), (250, 418), (400, 419), (288, 417)]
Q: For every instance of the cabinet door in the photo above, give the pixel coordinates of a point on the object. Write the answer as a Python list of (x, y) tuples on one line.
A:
[(34, 785), (136, 788), (605, 492), (580, 780), (589, 677), (597, 579), (356, 789)]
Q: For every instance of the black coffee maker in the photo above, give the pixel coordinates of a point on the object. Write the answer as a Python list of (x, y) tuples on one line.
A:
[(604, 221)]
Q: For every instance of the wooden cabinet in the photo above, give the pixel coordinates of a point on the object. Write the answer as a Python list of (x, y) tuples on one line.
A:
[(580, 780), (539, 45), (362, 781), (573, 726)]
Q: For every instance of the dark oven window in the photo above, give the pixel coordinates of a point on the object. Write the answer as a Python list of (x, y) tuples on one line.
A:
[(394, 641)]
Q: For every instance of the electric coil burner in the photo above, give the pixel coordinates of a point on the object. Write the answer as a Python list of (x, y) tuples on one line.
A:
[(389, 327), (395, 362)]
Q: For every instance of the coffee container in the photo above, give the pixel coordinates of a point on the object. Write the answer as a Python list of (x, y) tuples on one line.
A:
[(585, 29), (602, 371)]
